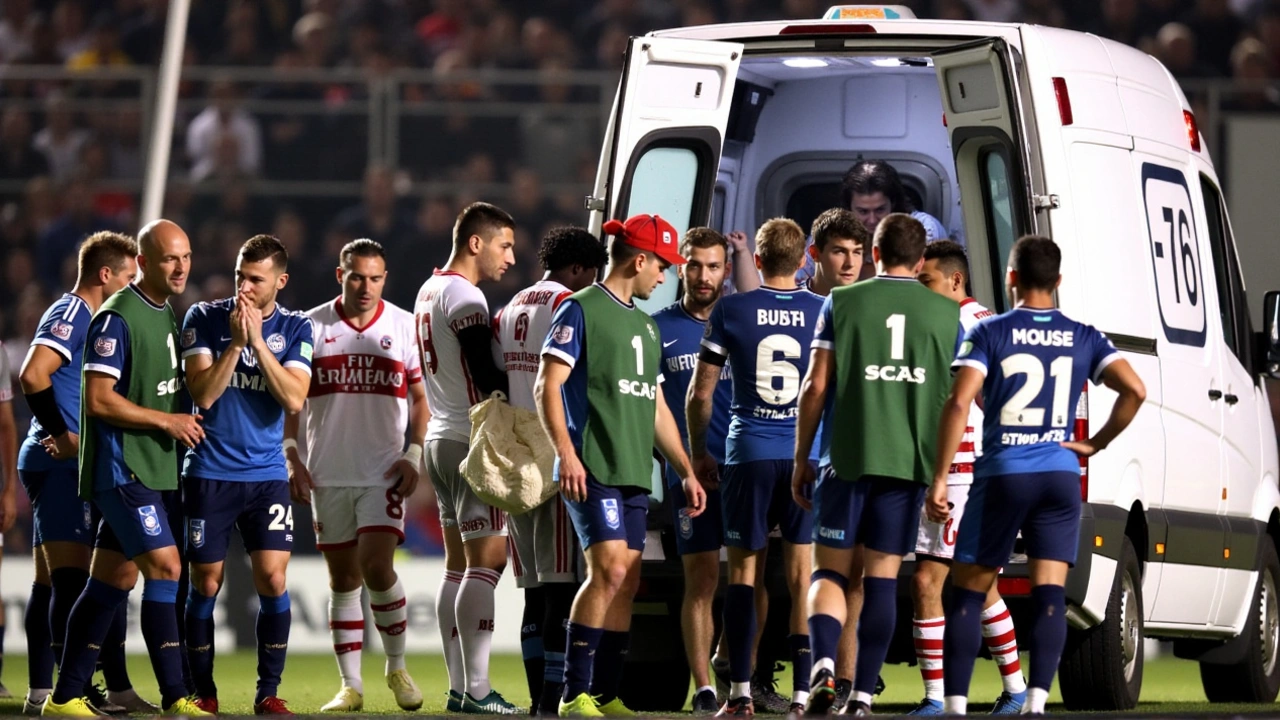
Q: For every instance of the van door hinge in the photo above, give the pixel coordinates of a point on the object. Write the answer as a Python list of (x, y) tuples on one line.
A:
[(1046, 202), (593, 204)]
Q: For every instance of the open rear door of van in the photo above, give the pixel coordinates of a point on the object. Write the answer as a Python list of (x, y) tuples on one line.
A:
[(667, 131), (981, 106)]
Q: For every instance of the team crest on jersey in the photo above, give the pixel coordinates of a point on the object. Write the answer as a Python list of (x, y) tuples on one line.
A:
[(105, 347), (562, 334), (195, 532), (61, 330), (612, 517), (385, 342), (275, 343), (188, 337), (686, 524), (820, 325), (150, 520)]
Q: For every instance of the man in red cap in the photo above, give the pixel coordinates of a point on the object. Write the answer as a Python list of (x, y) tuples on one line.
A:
[(599, 397)]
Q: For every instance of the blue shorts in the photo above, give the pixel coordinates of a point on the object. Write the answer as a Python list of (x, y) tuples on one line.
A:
[(704, 533), (1044, 506), (57, 512), (138, 519), (610, 513), (878, 512), (261, 511), (757, 498)]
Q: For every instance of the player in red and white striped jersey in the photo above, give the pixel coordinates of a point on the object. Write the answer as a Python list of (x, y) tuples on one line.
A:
[(456, 340), (366, 389), (946, 272), (543, 545)]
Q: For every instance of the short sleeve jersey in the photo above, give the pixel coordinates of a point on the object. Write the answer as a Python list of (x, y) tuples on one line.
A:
[(681, 338), (521, 328), (764, 334), (244, 427), (358, 404), (107, 352), (62, 329), (447, 304), (971, 311), (1034, 363)]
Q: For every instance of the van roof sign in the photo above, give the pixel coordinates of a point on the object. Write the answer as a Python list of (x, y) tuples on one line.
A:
[(869, 12)]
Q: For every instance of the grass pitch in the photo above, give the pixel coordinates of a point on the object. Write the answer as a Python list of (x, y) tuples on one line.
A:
[(1170, 686)]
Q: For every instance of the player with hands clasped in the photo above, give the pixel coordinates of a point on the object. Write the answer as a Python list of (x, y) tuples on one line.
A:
[(247, 362), (366, 390), (1029, 365), (600, 399)]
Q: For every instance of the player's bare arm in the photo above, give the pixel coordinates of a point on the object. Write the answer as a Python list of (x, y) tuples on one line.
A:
[(813, 396), (37, 377), (208, 378), (745, 275), (666, 436), (9, 464), (300, 484), (955, 417), (287, 385), (102, 402), (1120, 377), (552, 374), (698, 407), (408, 467)]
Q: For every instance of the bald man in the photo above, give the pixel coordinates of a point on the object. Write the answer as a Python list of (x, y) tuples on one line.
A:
[(131, 428)]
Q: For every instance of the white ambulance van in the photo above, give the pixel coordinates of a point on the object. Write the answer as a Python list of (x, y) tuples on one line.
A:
[(1000, 130)]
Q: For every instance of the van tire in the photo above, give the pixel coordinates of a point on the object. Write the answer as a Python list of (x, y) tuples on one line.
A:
[(1101, 667), (1257, 678)]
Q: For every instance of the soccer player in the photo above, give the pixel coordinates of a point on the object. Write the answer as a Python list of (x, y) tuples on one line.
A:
[(698, 540), (456, 340), (366, 390), (64, 525), (542, 546), (131, 427), (946, 272), (1028, 364), (761, 334), (885, 345), (247, 362), (600, 399)]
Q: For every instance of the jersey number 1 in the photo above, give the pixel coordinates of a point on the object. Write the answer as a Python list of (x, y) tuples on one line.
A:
[(173, 352)]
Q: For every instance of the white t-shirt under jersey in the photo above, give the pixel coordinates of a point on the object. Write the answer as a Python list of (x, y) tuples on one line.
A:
[(971, 311), (358, 403), (448, 303), (521, 327)]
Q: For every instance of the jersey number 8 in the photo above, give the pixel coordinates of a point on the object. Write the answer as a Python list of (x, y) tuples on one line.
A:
[(425, 345)]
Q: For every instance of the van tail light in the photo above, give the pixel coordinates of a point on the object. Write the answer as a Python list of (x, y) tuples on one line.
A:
[(827, 28), (1064, 100), (1081, 432), (1193, 129), (1013, 586), (944, 119)]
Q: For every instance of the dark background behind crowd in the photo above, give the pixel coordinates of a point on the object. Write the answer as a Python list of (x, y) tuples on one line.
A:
[(320, 121)]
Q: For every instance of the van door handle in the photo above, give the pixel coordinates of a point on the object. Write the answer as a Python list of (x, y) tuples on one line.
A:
[(1232, 399), (1215, 394)]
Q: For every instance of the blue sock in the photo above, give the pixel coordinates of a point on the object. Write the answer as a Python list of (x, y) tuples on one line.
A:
[(531, 646), (36, 623), (558, 599), (66, 586), (1048, 634), (112, 660), (180, 607), (87, 627), (606, 675), (824, 637), (579, 655), (274, 619), (740, 629), (801, 662), (160, 630), (875, 630), (962, 640), (199, 625)]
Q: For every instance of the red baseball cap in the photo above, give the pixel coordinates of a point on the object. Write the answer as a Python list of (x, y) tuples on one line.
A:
[(649, 233)]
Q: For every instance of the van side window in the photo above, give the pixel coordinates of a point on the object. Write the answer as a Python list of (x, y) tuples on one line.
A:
[(664, 183), (999, 211), (1232, 308)]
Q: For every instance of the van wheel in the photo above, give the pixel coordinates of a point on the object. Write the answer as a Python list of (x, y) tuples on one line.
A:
[(1257, 678), (1101, 667)]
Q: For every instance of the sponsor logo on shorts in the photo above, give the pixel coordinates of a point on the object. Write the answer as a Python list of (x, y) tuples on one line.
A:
[(471, 526), (830, 533), (686, 524), (275, 343), (61, 330), (88, 517), (612, 517), (195, 532), (150, 518), (733, 534), (105, 347)]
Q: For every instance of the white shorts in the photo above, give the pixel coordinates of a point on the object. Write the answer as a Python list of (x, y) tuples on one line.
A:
[(543, 545), (342, 513), (939, 540), (458, 503)]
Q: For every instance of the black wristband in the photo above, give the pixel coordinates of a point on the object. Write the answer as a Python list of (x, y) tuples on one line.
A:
[(44, 406)]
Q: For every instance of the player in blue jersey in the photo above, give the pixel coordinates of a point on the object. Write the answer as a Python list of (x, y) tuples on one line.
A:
[(762, 334), (64, 524), (247, 362), (698, 539), (1029, 364)]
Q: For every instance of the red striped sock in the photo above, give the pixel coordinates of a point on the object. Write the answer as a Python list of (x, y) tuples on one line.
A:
[(346, 626), (1002, 642), (391, 617), (927, 634)]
